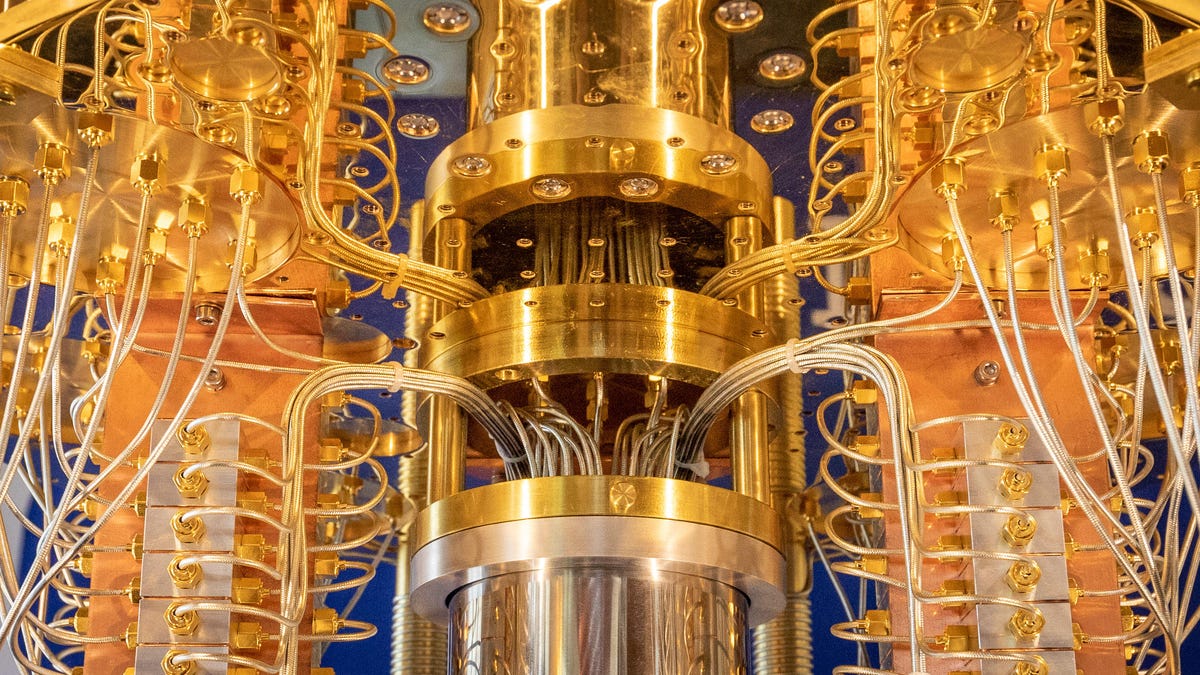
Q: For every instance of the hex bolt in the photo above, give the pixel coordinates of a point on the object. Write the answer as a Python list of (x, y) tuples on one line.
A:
[(987, 373), (207, 313)]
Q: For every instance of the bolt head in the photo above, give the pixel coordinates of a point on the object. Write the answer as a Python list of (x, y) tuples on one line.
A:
[(638, 187), (1105, 116), (717, 163), (551, 188), (1051, 163), (447, 19), (1151, 151), (772, 121), (14, 195), (406, 70), (53, 162), (147, 174), (417, 125), (737, 16), (782, 66), (472, 165)]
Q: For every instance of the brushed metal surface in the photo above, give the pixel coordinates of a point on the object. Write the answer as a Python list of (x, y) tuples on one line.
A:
[(441, 568), (598, 619)]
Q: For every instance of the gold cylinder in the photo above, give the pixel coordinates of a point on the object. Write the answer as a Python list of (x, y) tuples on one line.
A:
[(534, 55), (748, 426), (447, 435)]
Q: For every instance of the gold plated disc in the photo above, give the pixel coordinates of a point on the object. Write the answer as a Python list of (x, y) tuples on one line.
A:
[(353, 341), (224, 70), (971, 60), (1005, 161), (187, 168)]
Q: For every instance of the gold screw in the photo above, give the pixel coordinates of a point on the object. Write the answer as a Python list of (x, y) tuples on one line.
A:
[(194, 442), (1010, 438), (171, 667), (1152, 151), (184, 576), (14, 195), (1019, 530), (194, 216), (188, 531), (1015, 483), (1027, 624), (1052, 163), (191, 486), (181, 623), (1023, 576), (53, 162)]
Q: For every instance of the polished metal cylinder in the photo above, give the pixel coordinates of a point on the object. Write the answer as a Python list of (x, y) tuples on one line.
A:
[(629, 620), (666, 54)]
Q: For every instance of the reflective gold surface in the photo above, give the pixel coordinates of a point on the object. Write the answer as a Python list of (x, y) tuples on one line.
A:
[(1006, 160), (667, 54), (579, 328), (593, 150), (535, 498), (190, 169)]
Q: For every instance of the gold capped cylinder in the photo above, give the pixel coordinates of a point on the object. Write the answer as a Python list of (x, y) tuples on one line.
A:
[(147, 174), (1152, 151), (1004, 211), (1051, 163), (52, 162), (1143, 226), (1189, 185), (14, 195), (1105, 116), (949, 177), (1018, 531), (1023, 576), (95, 128), (194, 216), (666, 54)]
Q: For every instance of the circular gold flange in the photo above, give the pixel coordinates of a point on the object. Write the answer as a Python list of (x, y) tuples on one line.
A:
[(1004, 160), (190, 168), (592, 150), (534, 498), (972, 60), (353, 341), (581, 328), (224, 70)]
